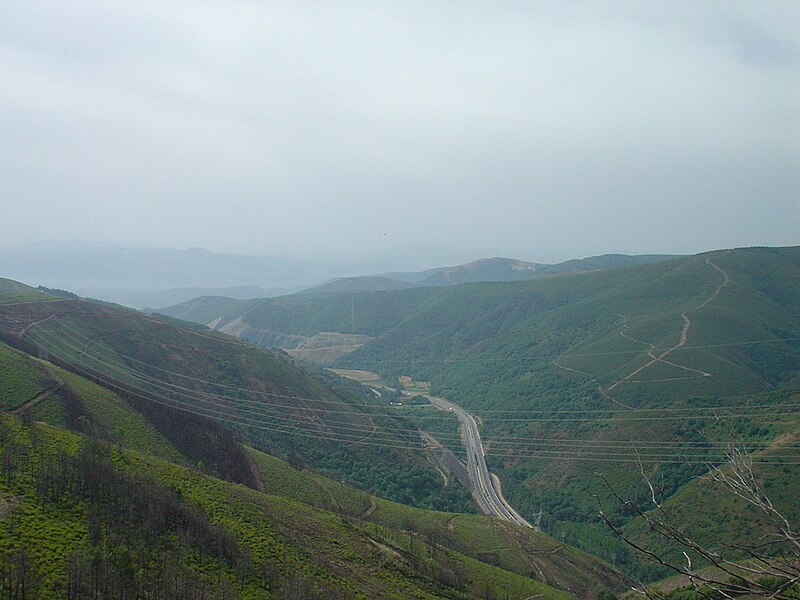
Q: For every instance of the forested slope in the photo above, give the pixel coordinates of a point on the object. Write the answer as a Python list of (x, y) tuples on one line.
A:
[(81, 519), (663, 364), (196, 388)]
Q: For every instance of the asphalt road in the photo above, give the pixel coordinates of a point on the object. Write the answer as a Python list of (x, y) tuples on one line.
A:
[(486, 494)]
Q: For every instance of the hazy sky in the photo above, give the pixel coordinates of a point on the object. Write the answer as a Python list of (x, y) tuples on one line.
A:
[(305, 126)]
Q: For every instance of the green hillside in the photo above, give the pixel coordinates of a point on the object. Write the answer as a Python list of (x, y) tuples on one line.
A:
[(475, 340), (602, 323), (358, 284), (515, 549), (654, 369), (596, 263), (22, 380), (485, 269), (177, 376), (708, 514), (59, 485), (81, 519), (206, 309), (13, 291), (663, 363)]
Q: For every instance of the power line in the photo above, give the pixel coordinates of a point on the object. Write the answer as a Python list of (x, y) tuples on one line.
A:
[(171, 388), (524, 443), (712, 409), (220, 338), (344, 438), (581, 355)]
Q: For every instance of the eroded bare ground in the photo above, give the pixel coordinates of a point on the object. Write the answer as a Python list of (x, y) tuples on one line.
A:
[(365, 377), (327, 346), (445, 460)]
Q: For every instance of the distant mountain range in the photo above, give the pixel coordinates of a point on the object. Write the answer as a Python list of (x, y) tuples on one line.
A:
[(359, 284), (127, 274), (145, 300), (482, 270), (143, 276)]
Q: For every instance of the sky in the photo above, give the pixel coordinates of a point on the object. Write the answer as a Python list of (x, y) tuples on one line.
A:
[(346, 127)]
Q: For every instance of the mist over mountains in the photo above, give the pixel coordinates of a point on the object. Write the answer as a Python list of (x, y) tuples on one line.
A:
[(115, 271), (145, 276), (665, 360)]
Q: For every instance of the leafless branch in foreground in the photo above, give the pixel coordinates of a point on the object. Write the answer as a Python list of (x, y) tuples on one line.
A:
[(769, 568)]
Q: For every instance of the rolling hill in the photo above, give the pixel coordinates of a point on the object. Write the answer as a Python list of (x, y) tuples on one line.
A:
[(14, 291), (176, 374), (119, 487), (603, 322), (358, 284), (482, 270), (665, 363), (485, 269)]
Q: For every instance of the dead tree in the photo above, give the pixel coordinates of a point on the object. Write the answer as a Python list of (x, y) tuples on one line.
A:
[(769, 568)]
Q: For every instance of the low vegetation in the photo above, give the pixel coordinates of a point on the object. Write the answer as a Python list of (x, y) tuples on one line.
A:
[(83, 519), (522, 355)]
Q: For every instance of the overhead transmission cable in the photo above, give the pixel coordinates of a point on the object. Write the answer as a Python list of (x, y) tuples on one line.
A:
[(349, 426), (712, 409), (174, 388), (580, 456)]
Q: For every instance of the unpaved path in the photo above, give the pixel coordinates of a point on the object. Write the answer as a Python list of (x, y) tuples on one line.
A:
[(687, 323), (593, 379), (34, 401)]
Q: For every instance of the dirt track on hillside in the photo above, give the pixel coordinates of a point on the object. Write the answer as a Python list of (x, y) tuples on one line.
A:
[(687, 324)]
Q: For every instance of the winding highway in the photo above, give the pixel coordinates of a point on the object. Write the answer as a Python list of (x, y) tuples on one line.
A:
[(487, 494)]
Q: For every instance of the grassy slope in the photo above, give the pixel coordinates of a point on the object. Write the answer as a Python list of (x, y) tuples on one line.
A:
[(287, 538), (492, 347), (201, 363), (568, 491), (516, 549), (205, 309), (96, 410), (13, 291), (21, 378), (707, 513), (113, 420), (105, 416)]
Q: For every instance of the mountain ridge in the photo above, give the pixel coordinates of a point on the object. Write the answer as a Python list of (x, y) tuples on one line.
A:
[(714, 329), (297, 527)]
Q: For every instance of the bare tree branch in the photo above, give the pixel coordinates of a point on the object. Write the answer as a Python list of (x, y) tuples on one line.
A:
[(754, 569)]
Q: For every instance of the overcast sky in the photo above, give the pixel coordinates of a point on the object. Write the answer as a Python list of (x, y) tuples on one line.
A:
[(301, 126)]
